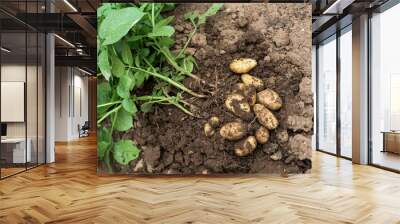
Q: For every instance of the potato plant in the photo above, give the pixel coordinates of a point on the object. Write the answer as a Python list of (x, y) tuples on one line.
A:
[(134, 47)]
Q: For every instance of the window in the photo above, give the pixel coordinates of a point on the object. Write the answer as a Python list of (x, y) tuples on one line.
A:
[(385, 89), (346, 92), (327, 95)]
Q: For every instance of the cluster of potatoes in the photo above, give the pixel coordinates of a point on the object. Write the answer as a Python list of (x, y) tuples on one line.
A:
[(248, 100)]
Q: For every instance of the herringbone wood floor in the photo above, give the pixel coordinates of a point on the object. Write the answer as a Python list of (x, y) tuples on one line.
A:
[(69, 191)]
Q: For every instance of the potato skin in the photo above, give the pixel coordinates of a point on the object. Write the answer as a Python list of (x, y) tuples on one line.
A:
[(208, 130), (214, 121), (233, 131), (242, 65), (249, 92), (262, 135), (269, 99), (246, 146), (237, 104), (249, 80), (265, 117)]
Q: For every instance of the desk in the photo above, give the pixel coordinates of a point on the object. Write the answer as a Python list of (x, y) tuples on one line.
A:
[(17, 148), (391, 141)]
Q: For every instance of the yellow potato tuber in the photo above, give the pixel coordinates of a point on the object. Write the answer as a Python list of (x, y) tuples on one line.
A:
[(269, 99), (265, 117), (237, 105), (208, 130), (249, 80), (214, 122), (262, 135), (233, 131), (242, 65), (246, 146)]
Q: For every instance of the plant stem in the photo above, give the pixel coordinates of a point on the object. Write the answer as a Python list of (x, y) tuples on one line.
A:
[(108, 104), (159, 99), (170, 81), (188, 40), (108, 114)]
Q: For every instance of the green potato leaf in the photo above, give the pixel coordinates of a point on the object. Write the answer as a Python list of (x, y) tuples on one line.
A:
[(117, 24), (123, 121), (125, 151), (129, 106), (163, 31), (104, 64), (118, 68), (124, 85)]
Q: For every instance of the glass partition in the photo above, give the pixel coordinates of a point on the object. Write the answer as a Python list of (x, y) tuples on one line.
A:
[(346, 93), (22, 77), (385, 89), (327, 95)]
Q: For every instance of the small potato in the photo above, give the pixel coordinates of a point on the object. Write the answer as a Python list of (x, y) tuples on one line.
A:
[(246, 147), (233, 131), (242, 65), (208, 130), (249, 92), (249, 80), (214, 122), (265, 117), (237, 105), (262, 135), (269, 99)]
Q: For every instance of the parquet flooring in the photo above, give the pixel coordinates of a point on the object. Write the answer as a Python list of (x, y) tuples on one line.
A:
[(70, 191)]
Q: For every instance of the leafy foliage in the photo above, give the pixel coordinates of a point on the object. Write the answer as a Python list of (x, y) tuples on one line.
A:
[(134, 42)]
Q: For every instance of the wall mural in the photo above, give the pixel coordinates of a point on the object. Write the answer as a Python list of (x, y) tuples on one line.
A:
[(204, 88)]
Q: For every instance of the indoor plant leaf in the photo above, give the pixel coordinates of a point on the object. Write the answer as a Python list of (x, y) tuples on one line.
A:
[(125, 151), (123, 121), (118, 23), (163, 31)]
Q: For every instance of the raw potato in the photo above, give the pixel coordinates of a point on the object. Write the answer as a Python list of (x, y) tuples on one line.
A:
[(237, 104), (249, 80), (249, 92), (270, 99), (233, 131), (262, 135), (246, 147), (208, 130), (214, 122), (265, 117), (242, 65)]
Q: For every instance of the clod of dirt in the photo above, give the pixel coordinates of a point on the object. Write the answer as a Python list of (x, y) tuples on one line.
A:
[(246, 146), (233, 131), (277, 156), (242, 65), (151, 155), (190, 51), (300, 123), (282, 136), (255, 82), (262, 135), (300, 146), (265, 117), (199, 40), (270, 99), (281, 38), (305, 90)]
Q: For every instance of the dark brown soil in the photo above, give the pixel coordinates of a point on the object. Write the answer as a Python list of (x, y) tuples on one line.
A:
[(278, 36)]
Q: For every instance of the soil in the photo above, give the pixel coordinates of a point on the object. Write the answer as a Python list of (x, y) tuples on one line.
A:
[(278, 36)]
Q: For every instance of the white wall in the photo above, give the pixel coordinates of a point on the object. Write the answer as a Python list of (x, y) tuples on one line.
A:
[(70, 83)]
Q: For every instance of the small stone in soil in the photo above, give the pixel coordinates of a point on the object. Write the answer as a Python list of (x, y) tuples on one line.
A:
[(277, 156)]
